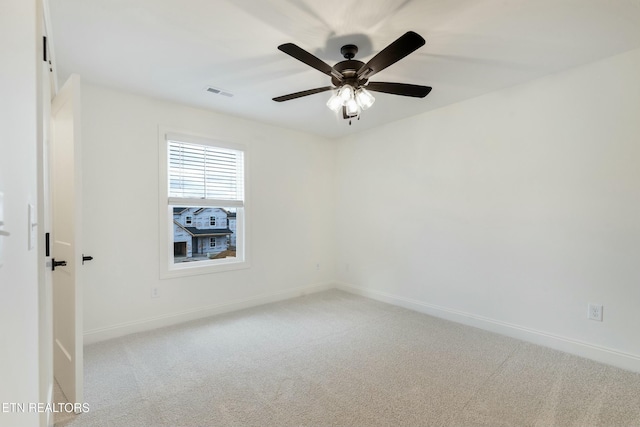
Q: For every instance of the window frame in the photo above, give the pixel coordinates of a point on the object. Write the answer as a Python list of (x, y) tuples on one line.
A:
[(169, 269)]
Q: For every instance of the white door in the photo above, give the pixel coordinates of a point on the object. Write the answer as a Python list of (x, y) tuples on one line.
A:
[(66, 258)]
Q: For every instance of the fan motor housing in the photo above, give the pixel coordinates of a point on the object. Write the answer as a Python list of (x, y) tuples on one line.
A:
[(348, 69)]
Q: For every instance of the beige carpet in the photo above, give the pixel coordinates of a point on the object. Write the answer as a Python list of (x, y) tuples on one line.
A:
[(337, 359)]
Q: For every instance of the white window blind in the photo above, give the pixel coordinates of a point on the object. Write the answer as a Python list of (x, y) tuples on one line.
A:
[(210, 174)]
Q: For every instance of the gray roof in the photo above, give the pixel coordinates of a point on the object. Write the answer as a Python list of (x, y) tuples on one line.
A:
[(208, 231)]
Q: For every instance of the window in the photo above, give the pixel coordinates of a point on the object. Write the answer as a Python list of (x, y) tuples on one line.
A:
[(202, 184)]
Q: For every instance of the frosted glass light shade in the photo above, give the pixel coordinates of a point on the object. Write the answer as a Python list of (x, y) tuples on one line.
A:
[(346, 93), (364, 98), (352, 107), (334, 103)]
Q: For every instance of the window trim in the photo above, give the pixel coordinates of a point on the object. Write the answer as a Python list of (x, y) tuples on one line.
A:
[(168, 269)]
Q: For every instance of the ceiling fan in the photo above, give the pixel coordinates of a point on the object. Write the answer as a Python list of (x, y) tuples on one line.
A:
[(351, 77)]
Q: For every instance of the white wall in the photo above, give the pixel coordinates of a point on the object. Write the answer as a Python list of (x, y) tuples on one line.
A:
[(291, 202), (19, 132), (511, 211)]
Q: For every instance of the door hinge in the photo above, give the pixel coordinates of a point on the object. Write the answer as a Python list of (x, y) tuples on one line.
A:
[(46, 244), (44, 48)]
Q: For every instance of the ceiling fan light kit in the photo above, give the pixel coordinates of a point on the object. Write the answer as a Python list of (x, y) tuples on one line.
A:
[(350, 78), (354, 101)]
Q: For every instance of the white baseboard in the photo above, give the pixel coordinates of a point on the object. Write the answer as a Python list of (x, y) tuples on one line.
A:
[(598, 353), (121, 329)]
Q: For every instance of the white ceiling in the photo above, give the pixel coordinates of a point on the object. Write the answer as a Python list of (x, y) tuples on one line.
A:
[(174, 49)]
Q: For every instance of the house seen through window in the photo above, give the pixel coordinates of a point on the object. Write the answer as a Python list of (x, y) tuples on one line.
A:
[(205, 202), (197, 240)]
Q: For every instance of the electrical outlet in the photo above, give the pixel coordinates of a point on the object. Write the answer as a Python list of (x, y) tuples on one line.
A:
[(595, 312), (155, 293)]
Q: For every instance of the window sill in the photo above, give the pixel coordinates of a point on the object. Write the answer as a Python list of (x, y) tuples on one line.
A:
[(196, 270)]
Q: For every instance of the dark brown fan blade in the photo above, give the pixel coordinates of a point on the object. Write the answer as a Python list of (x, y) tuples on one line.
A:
[(403, 89), (301, 94), (312, 61), (391, 54)]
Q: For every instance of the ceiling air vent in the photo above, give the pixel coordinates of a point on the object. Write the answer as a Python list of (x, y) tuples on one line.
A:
[(219, 91)]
